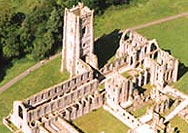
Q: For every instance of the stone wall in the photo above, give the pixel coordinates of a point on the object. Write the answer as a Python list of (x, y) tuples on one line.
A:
[(77, 39), (118, 90), (115, 65), (140, 52), (58, 90), (74, 97)]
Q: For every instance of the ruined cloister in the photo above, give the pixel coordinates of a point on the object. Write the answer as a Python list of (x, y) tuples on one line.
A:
[(141, 60)]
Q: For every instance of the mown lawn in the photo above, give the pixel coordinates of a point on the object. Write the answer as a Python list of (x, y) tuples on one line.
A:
[(44, 77), (100, 121), (141, 111), (181, 124), (172, 36), (123, 17)]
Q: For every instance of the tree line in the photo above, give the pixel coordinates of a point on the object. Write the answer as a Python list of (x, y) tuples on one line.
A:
[(38, 33)]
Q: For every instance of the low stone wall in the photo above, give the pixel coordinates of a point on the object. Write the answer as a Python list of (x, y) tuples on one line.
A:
[(115, 65)]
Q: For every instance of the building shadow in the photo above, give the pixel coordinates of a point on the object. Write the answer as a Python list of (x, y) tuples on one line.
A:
[(76, 127), (167, 50), (182, 69), (106, 46)]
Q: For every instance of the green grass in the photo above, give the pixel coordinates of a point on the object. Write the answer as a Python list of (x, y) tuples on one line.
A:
[(141, 111), (126, 75), (40, 79), (21, 6), (101, 87), (100, 121), (172, 36), (18, 67), (181, 124), (148, 88), (123, 17), (5, 5)]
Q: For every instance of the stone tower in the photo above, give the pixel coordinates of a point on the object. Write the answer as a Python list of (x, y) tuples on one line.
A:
[(78, 40)]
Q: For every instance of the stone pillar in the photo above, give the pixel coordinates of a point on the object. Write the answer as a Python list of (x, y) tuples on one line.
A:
[(153, 73), (74, 113), (86, 108), (130, 88), (140, 80), (145, 77), (175, 72), (66, 117), (80, 110)]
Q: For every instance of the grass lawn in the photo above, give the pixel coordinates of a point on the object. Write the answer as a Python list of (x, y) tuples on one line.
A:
[(148, 87), (101, 87), (122, 17), (18, 67), (181, 124), (141, 111), (172, 36), (40, 79), (126, 75), (100, 121)]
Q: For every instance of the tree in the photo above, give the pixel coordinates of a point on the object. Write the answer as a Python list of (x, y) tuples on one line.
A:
[(11, 49), (10, 44), (42, 46)]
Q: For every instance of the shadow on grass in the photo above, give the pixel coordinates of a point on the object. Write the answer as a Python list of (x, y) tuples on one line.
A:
[(182, 69), (76, 127), (106, 46)]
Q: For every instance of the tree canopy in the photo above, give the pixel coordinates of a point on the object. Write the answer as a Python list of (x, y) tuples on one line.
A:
[(35, 27)]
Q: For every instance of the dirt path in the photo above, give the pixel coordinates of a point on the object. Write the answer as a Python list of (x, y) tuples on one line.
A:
[(159, 21), (38, 65), (26, 72)]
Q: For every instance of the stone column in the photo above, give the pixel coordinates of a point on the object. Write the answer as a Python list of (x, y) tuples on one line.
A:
[(140, 80), (145, 77), (175, 72)]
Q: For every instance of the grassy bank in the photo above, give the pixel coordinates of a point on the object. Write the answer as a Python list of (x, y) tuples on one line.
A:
[(15, 68)]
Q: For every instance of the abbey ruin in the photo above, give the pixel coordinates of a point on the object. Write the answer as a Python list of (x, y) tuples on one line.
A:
[(138, 62)]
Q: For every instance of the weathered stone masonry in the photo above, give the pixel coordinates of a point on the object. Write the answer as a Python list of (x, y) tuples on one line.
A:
[(68, 100)]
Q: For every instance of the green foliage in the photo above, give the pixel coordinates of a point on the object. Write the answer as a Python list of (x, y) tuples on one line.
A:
[(42, 46), (98, 5), (9, 35), (37, 33)]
